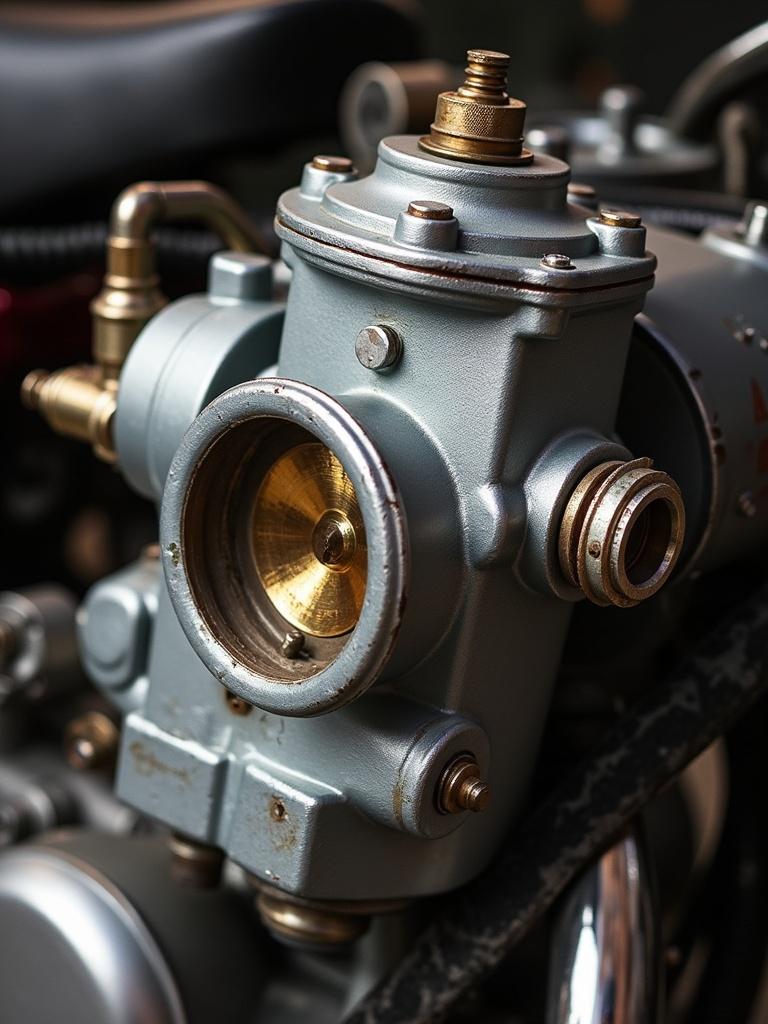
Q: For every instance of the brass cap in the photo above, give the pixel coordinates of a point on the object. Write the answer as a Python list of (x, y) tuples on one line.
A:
[(479, 122)]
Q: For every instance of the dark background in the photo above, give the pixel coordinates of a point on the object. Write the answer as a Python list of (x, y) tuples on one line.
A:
[(566, 51)]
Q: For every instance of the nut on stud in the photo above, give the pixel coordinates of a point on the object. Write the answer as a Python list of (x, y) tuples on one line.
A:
[(378, 347), (462, 787)]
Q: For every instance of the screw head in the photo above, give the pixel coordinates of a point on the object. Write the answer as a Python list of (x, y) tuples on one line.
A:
[(620, 219), (556, 261), (333, 164), (429, 210), (293, 644), (378, 347)]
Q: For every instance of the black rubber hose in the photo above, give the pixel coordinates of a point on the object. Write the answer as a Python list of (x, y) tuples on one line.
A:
[(52, 251), (724, 675)]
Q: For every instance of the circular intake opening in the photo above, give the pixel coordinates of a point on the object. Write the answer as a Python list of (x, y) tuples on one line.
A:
[(284, 547), (648, 543), (622, 532)]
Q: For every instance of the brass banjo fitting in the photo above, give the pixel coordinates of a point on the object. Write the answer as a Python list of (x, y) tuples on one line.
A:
[(80, 401)]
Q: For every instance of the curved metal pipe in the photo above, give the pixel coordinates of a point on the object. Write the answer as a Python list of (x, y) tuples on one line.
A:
[(142, 206), (718, 79), (604, 964)]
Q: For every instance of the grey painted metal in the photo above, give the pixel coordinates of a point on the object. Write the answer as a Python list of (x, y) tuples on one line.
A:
[(547, 488), (696, 394), (604, 966), (189, 353), (361, 659), (502, 360), (115, 623), (509, 217), (44, 661)]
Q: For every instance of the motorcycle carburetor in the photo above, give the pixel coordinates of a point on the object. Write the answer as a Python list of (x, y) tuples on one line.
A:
[(369, 552)]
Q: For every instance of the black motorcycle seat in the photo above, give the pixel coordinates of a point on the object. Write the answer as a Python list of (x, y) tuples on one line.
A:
[(90, 93)]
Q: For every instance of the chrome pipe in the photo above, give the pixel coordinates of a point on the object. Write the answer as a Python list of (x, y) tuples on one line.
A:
[(604, 959)]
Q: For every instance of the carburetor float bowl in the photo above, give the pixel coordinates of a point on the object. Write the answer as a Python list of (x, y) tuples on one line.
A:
[(284, 547)]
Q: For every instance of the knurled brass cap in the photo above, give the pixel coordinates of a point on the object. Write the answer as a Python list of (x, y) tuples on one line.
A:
[(479, 122)]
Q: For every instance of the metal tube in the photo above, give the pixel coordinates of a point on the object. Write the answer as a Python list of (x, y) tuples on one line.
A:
[(604, 968)]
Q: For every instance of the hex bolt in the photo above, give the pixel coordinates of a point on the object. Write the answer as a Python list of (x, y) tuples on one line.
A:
[(556, 261), (293, 644), (90, 741), (462, 787), (426, 209), (378, 347), (333, 164), (747, 506), (620, 219), (195, 864)]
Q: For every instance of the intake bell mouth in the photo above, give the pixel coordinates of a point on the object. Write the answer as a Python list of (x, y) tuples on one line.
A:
[(284, 547)]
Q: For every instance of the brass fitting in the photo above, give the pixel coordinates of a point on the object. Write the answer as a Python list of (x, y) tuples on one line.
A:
[(479, 122), (622, 532), (76, 402), (80, 401), (91, 741)]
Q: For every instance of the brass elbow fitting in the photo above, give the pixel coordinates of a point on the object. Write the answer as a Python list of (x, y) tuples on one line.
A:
[(80, 401)]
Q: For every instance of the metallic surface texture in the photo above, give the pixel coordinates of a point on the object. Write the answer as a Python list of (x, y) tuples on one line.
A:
[(188, 354), (479, 122), (309, 541), (603, 968), (210, 603), (719, 681)]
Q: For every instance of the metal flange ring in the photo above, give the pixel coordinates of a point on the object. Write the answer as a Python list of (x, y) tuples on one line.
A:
[(207, 537)]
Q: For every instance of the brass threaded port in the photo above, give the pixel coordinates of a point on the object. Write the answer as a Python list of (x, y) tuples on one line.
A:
[(479, 122), (622, 532)]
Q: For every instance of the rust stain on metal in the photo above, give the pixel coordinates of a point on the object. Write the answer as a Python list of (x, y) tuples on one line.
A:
[(282, 830), (146, 763)]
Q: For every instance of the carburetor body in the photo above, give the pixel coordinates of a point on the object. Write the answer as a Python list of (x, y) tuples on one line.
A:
[(377, 513)]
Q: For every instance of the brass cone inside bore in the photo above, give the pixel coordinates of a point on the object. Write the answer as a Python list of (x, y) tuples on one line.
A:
[(309, 541)]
